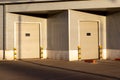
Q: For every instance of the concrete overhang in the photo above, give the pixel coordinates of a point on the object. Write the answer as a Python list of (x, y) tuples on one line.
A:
[(24, 1), (97, 6)]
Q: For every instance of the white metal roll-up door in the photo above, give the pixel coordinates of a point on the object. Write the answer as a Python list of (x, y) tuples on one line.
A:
[(28, 40), (89, 39)]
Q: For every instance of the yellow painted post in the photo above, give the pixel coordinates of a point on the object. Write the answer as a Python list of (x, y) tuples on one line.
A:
[(100, 52), (15, 53), (41, 52), (79, 52)]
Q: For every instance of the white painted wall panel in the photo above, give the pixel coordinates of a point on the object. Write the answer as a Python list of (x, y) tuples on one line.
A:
[(11, 19), (74, 20), (10, 23)]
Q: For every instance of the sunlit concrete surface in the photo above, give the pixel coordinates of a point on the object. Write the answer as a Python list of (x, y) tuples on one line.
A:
[(58, 70)]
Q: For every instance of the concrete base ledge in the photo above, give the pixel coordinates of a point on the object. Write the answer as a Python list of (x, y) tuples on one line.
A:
[(57, 54), (113, 54), (1, 54)]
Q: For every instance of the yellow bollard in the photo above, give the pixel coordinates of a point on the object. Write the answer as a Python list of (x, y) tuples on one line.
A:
[(100, 52), (79, 53), (15, 53), (41, 52)]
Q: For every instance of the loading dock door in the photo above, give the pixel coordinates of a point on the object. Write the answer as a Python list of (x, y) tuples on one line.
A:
[(89, 39), (28, 40)]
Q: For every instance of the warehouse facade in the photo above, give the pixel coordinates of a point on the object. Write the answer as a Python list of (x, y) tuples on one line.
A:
[(64, 30)]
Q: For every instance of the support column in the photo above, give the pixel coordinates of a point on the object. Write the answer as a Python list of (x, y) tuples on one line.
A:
[(4, 26)]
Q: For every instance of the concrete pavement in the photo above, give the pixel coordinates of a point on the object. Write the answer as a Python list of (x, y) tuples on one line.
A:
[(106, 68)]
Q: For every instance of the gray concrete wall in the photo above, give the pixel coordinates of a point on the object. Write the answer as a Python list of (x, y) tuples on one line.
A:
[(57, 36), (1, 27), (113, 35), (57, 31), (74, 40)]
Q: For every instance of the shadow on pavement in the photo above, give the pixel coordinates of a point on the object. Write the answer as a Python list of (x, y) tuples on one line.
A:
[(112, 77)]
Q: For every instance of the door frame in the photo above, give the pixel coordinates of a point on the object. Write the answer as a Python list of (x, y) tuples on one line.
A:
[(15, 36), (99, 34)]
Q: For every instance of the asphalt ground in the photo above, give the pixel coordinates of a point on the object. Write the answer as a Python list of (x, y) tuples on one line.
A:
[(36, 69)]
